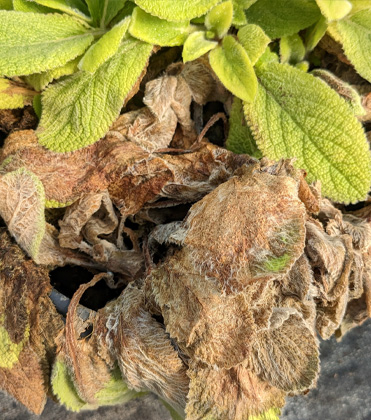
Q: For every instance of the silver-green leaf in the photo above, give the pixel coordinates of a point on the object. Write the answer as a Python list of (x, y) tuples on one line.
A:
[(158, 31), (197, 45), (105, 47), (32, 43), (355, 35), (319, 130), (78, 111), (233, 67), (177, 10), (283, 17)]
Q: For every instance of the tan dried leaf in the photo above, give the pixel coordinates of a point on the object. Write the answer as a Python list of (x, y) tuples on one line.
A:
[(22, 201), (29, 324), (216, 329), (88, 218), (331, 258), (286, 354), (146, 356), (249, 227), (89, 371), (235, 394), (133, 176)]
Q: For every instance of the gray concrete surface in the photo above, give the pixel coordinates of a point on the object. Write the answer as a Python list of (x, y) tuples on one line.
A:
[(343, 392)]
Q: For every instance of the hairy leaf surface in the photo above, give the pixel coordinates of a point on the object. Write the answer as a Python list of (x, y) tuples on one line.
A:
[(30, 6), (355, 35), (234, 69), (32, 43), (285, 17), (40, 80), (219, 19), (78, 111), (287, 120), (177, 10), (72, 7), (104, 48), (158, 31), (22, 208), (103, 11), (334, 9), (240, 138), (197, 45), (254, 40)]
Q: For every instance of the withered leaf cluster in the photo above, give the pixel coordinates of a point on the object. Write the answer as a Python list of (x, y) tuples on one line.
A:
[(229, 267)]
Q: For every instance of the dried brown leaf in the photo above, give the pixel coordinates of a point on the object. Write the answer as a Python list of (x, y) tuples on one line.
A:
[(331, 258), (144, 351), (286, 354), (29, 324), (235, 394), (133, 176), (249, 227), (216, 329)]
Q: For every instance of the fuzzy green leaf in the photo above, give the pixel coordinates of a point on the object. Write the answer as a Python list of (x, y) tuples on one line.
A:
[(239, 18), (358, 5), (254, 40), (29, 6), (103, 11), (197, 45), (284, 17), (14, 96), (355, 35), (32, 43), (39, 81), (315, 33), (240, 139), (72, 7), (334, 9), (233, 67), (346, 91), (177, 10), (219, 18), (104, 48), (6, 5), (158, 31), (319, 130), (78, 111), (292, 49)]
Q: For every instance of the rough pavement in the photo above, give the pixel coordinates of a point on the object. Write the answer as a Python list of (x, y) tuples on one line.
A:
[(343, 392)]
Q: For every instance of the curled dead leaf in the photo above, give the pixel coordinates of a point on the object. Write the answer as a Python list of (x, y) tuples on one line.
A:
[(28, 325)]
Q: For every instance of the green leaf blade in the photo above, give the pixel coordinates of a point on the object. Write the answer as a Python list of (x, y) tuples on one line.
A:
[(355, 34), (197, 45), (40, 80), (286, 17), (334, 9), (233, 67), (240, 139), (103, 11), (319, 130), (254, 40), (219, 19), (32, 43), (79, 111), (13, 96), (104, 48), (75, 8), (177, 10), (158, 31)]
